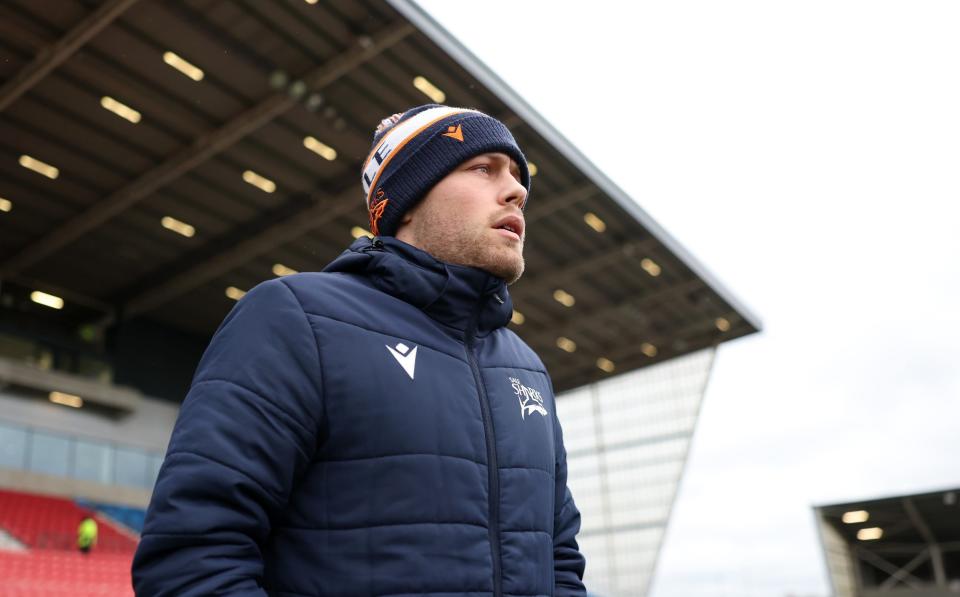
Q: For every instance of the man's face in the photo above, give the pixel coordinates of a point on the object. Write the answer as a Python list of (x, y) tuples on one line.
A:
[(472, 217)]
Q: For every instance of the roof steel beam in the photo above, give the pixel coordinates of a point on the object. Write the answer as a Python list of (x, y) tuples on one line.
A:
[(591, 264), (569, 327), (68, 295), (630, 358), (200, 151), (633, 353), (564, 326), (558, 202), (58, 52), (936, 555), (867, 556), (920, 558), (272, 237)]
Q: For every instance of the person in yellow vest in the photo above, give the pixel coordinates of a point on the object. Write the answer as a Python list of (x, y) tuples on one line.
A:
[(87, 534)]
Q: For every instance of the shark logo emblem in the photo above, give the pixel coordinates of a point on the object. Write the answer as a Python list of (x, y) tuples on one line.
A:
[(406, 356), (530, 400)]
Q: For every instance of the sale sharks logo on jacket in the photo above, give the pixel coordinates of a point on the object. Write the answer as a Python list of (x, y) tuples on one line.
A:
[(530, 399)]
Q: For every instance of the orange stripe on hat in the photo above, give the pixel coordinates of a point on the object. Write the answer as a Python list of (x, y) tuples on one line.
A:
[(406, 131)]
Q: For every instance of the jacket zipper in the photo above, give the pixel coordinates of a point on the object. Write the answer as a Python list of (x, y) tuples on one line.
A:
[(375, 245), (492, 472)]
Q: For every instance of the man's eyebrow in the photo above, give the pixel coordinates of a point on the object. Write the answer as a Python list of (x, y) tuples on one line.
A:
[(502, 157), (492, 155)]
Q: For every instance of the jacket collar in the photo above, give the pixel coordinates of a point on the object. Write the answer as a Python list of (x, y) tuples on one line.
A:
[(467, 299)]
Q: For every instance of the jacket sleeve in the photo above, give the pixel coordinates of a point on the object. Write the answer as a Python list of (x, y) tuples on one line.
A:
[(568, 562), (245, 433)]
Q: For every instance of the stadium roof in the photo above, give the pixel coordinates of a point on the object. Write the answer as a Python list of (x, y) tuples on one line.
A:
[(895, 542), (154, 154), (906, 519)]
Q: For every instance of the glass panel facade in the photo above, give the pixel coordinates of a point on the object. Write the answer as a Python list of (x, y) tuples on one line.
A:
[(13, 447), (131, 468), (155, 461), (53, 453), (627, 440), (49, 454), (93, 461), (840, 561)]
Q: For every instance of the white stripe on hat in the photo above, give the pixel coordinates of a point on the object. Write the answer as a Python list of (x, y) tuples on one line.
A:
[(397, 137)]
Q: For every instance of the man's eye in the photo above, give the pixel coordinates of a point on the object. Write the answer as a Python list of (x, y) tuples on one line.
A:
[(482, 167)]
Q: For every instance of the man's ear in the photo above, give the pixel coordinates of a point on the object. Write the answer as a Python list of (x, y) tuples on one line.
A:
[(404, 232)]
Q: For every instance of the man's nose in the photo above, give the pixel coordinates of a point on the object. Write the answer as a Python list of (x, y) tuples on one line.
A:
[(515, 192)]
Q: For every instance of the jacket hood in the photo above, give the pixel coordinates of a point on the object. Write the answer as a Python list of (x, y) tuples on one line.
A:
[(457, 296)]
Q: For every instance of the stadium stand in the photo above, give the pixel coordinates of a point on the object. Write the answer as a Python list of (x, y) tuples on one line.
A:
[(42, 560), (44, 522), (53, 573), (8, 543)]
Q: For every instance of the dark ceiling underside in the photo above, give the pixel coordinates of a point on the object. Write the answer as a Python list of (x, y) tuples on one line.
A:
[(94, 233)]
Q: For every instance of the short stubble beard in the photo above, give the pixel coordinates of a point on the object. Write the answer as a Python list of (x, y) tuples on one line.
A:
[(456, 242)]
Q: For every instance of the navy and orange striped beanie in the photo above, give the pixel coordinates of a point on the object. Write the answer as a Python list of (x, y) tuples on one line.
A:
[(412, 151)]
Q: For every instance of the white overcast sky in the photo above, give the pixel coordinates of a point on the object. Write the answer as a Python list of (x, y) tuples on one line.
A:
[(808, 153)]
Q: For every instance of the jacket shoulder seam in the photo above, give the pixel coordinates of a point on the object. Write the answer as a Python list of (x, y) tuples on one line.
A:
[(316, 346)]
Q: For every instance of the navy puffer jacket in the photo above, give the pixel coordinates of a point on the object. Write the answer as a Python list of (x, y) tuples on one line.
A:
[(370, 430)]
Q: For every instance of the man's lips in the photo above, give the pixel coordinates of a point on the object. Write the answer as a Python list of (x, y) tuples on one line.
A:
[(508, 234), (511, 226)]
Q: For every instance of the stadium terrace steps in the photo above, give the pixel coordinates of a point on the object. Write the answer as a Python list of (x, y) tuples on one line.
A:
[(52, 573), (50, 523), (8, 543)]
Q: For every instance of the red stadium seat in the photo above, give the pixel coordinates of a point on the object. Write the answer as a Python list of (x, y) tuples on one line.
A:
[(46, 522), (52, 565), (42, 573)]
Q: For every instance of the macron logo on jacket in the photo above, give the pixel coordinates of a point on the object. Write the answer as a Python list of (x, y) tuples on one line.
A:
[(405, 356)]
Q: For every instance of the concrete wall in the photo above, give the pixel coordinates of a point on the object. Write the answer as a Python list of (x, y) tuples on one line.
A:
[(31, 482), (149, 427)]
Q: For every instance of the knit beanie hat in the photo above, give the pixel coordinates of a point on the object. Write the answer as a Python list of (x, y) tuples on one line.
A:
[(412, 151)]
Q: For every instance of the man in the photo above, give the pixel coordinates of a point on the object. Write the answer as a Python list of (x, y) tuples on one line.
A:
[(375, 429), (86, 534)]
